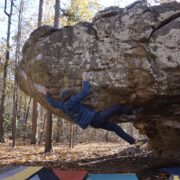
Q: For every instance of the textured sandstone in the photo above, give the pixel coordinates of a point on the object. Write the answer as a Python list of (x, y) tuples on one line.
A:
[(133, 56)]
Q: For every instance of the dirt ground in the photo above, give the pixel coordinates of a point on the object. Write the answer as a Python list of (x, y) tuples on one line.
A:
[(101, 157)]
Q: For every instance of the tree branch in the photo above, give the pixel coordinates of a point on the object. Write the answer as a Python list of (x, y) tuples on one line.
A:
[(5, 8)]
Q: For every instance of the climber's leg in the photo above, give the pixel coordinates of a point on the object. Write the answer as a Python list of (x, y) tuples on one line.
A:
[(102, 116), (116, 109), (119, 131)]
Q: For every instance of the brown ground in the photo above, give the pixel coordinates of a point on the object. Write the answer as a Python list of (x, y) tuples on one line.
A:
[(94, 157)]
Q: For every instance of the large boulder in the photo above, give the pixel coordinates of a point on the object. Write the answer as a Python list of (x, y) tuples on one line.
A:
[(133, 56)]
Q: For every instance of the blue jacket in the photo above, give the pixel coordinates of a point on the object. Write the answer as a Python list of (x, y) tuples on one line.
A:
[(78, 112)]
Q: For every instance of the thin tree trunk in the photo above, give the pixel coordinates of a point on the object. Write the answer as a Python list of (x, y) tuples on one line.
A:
[(35, 104), (57, 13), (42, 127), (3, 95), (40, 12), (48, 139), (26, 114), (25, 118), (14, 114), (34, 122), (59, 129), (19, 104), (15, 90)]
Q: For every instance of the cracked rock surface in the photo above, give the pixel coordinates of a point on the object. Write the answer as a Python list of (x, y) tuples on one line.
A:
[(133, 56)]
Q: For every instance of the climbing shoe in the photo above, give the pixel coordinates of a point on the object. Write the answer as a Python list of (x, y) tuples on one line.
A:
[(139, 142)]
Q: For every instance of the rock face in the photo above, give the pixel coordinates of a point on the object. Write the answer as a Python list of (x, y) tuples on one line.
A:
[(133, 56)]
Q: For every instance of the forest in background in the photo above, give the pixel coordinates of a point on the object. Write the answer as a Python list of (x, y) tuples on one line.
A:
[(22, 119)]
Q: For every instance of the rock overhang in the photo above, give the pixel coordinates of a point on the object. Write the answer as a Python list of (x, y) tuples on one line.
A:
[(132, 55)]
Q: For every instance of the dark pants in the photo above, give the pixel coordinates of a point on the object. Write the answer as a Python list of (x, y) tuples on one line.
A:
[(101, 118)]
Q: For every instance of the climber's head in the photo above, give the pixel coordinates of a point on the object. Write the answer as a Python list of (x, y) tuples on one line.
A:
[(65, 94)]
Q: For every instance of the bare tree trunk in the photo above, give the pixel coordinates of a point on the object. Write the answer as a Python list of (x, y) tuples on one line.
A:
[(40, 12), (14, 113), (43, 118), (71, 140), (48, 139), (35, 104), (27, 111), (57, 13), (5, 70), (19, 104), (34, 122), (25, 117), (15, 90), (59, 129)]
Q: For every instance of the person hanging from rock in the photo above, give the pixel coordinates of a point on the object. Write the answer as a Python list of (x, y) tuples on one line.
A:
[(83, 116)]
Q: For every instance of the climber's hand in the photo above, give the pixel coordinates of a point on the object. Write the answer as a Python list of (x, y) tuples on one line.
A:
[(85, 76), (42, 89), (45, 90)]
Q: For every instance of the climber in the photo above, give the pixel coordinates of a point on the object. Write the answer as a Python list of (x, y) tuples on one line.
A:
[(71, 105)]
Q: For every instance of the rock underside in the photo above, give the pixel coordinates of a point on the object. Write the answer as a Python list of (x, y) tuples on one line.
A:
[(133, 57)]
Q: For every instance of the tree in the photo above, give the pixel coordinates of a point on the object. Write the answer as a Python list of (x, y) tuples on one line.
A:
[(34, 122), (17, 56), (26, 114), (43, 120), (9, 15), (35, 104), (48, 136), (48, 141), (40, 12), (57, 13), (73, 11), (79, 10), (59, 129)]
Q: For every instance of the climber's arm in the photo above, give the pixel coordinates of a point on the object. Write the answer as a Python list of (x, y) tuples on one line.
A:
[(53, 102), (50, 100), (84, 90), (83, 93)]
